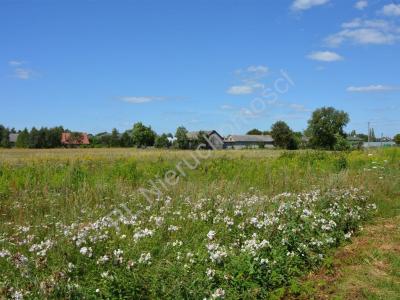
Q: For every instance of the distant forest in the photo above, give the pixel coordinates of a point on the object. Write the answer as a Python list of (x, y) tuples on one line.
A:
[(325, 131)]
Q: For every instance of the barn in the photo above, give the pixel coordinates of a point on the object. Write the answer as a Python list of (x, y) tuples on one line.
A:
[(213, 138), (248, 141)]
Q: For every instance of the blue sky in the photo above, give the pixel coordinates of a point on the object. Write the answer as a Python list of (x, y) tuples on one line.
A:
[(229, 65)]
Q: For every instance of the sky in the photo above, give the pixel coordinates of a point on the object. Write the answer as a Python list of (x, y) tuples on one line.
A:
[(228, 65)]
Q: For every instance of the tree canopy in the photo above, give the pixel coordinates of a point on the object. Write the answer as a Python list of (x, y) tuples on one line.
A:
[(254, 132), (397, 139), (283, 136), (182, 141), (324, 125), (162, 141), (143, 136)]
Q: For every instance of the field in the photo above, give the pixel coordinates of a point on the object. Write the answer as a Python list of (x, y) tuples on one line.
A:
[(150, 224)]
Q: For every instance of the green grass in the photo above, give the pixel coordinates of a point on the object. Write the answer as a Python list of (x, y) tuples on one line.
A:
[(62, 196)]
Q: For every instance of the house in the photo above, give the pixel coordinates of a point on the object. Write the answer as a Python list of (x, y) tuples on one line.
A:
[(355, 141), (248, 141), (13, 139), (213, 139), (74, 139)]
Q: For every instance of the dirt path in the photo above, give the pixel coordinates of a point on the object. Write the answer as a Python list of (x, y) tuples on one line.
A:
[(368, 268)]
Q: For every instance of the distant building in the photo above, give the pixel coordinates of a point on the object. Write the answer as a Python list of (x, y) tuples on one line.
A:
[(74, 139), (355, 141), (13, 138), (248, 141), (379, 144), (214, 139)]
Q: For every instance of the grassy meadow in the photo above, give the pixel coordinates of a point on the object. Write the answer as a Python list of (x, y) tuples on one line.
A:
[(160, 224)]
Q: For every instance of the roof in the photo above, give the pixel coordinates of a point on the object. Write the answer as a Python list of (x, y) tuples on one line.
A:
[(354, 138), (67, 140), (193, 135), (250, 138), (13, 137)]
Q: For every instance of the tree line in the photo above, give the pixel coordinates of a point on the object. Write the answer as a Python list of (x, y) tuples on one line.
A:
[(325, 131)]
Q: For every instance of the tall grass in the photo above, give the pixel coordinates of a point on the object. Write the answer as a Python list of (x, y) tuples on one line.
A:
[(44, 194)]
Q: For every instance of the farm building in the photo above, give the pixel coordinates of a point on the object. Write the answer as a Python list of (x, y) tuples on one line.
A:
[(74, 139), (13, 138), (248, 141), (214, 139)]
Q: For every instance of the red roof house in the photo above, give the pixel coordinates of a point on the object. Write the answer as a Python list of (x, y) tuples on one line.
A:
[(68, 138)]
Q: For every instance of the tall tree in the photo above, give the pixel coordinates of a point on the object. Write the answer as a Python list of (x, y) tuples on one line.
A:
[(4, 137), (323, 126), (283, 135), (162, 141), (254, 132), (397, 139), (23, 139), (372, 135), (126, 139), (182, 141), (34, 138), (115, 139), (142, 135)]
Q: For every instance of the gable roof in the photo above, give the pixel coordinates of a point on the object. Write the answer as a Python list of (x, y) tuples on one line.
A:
[(67, 140), (194, 135), (250, 138)]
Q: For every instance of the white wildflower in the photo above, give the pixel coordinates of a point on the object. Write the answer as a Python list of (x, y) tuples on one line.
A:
[(210, 273), (218, 294), (87, 251), (145, 258), (211, 235)]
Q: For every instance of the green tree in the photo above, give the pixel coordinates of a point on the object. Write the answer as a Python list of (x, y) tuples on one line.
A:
[(34, 138), (4, 137), (342, 144), (254, 132), (182, 141), (283, 136), (54, 137), (142, 135), (324, 125), (126, 139), (372, 135), (162, 141), (115, 139), (23, 139), (397, 139)]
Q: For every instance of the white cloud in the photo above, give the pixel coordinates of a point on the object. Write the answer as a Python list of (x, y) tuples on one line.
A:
[(298, 107), (15, 63), (248, 113), (257, 69), (141, 99), (361, 4), (299, 5), (240, 90), (249, 78), (20, 71), (391, 10), (226, 107), (23, 74), (358, 31), (326, 56), (371, 88)]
